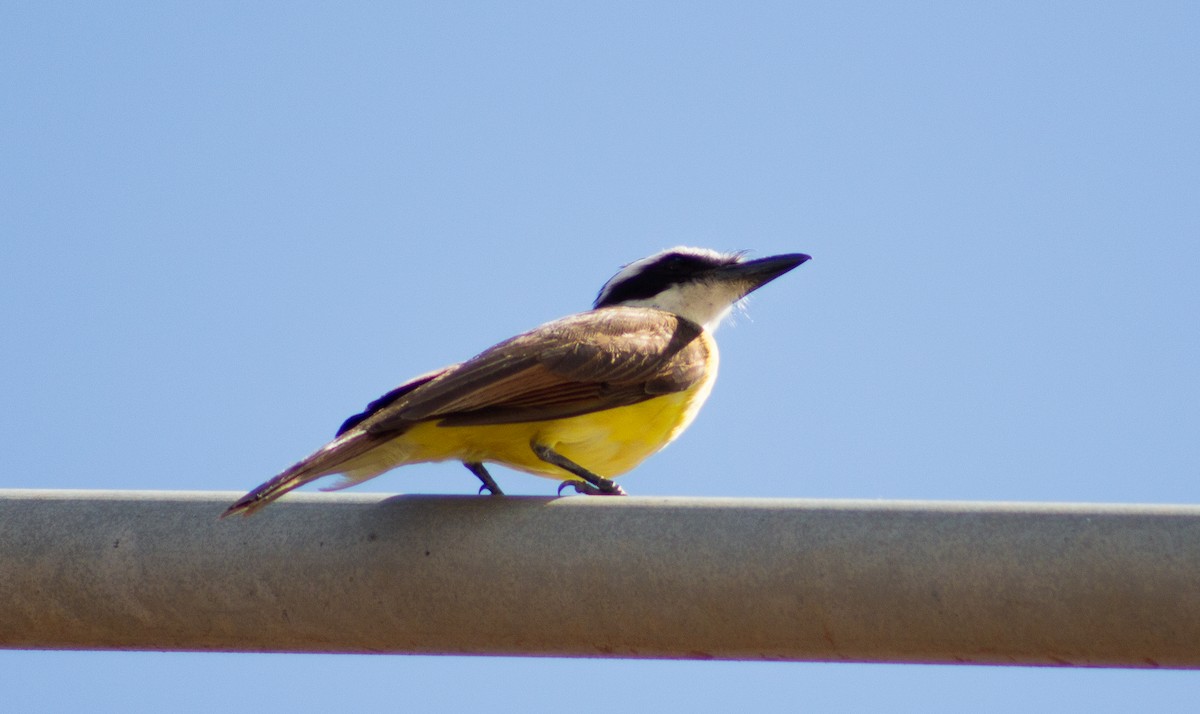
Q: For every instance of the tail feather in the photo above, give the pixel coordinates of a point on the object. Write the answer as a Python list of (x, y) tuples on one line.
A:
[(324, 462), (294, 477)]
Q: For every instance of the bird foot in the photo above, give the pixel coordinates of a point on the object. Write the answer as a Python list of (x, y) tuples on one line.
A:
[(588, 489), (489, 483)]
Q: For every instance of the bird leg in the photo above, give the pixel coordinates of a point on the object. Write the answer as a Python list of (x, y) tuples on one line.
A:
[(592, 484), (489, 483)]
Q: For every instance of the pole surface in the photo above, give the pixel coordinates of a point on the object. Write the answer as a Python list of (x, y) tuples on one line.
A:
[(866, 581)]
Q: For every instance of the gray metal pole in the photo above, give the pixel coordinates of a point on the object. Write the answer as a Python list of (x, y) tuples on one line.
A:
[(610, 577)]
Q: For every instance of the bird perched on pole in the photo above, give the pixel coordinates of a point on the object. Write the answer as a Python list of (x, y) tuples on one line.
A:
[(581, 399)]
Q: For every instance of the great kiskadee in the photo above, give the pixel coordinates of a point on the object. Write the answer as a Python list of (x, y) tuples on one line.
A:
[(581, 399)]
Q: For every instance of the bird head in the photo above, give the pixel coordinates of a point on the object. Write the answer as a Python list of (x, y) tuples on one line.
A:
[(698, 284)]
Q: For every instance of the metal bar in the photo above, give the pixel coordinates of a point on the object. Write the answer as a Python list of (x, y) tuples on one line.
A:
[(1034, 584)]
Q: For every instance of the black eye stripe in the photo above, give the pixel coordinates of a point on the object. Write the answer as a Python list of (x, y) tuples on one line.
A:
[(670, 269)]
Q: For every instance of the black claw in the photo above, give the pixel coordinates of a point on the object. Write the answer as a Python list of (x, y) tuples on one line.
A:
[(588, 489), (489, 484), (580, 487), (490, 490)]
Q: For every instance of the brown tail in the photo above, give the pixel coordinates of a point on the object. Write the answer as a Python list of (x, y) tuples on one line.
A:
[(325, 461), (294, 477)]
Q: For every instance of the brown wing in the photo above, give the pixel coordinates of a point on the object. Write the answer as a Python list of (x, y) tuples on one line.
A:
[(390, 398), (577, 365)]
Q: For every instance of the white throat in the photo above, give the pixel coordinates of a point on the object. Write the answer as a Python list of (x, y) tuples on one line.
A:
[(706, 304)]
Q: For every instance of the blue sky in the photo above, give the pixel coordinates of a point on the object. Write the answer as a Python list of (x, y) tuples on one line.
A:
[(224, 229)]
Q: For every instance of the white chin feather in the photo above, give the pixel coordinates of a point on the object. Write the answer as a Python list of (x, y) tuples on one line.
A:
[(706, 304)]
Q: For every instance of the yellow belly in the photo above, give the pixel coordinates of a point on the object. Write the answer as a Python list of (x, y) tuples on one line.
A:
[(607, 443)]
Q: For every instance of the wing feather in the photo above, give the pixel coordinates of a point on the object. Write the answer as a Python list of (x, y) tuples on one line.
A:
[(579, 364)]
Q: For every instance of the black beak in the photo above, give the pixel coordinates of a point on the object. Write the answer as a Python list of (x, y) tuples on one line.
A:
[(757, 273)]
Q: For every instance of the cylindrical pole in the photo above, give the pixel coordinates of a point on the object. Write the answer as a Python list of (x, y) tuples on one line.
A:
[(1087, 585)]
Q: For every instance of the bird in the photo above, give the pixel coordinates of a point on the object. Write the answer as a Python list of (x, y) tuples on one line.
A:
[(581, 399)]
